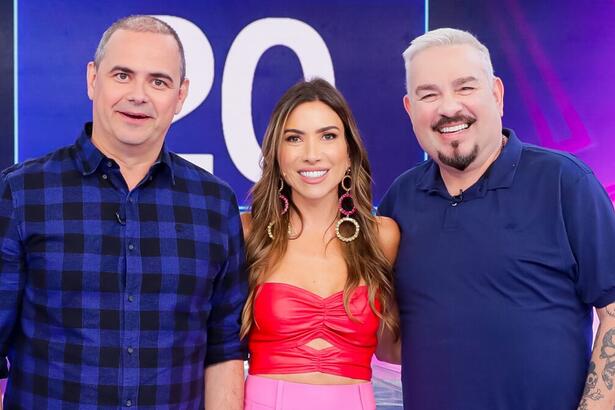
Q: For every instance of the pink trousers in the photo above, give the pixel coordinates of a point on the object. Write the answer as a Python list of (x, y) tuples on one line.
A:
[(267, 394)]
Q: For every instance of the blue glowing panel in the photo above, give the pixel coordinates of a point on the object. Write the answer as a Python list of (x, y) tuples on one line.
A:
[(241, 57)]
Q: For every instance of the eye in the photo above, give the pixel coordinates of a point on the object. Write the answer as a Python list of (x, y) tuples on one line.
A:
[(466, 89), (293, 138), (428, 97), (121, 76), (158, 83), (329, 136)]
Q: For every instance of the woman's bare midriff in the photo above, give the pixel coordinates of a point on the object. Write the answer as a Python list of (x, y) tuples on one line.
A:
[(312, 378)]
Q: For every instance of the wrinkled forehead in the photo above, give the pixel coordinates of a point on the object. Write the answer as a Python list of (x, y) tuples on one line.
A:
[(445, 64), (157, 51)]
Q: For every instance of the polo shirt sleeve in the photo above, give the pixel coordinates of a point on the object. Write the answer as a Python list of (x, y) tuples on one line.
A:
[(12, 272), (590, 223), (229, 296), (387, 204)]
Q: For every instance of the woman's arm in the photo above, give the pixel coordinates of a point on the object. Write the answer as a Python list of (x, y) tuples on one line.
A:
[(389, 346)]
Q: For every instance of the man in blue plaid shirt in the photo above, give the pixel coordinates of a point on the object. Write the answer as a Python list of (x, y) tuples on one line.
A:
[(121, 264)]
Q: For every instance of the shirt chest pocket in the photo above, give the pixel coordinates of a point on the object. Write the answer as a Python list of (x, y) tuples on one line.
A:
[(197, 256)]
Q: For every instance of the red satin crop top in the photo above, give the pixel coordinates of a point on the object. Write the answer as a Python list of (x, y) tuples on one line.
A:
[(287, 318)]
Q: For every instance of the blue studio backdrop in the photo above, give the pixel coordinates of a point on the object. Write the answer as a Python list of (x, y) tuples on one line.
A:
[(241, 57)]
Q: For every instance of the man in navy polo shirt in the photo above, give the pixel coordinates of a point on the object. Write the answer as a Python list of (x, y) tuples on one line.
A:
[(505, 250)]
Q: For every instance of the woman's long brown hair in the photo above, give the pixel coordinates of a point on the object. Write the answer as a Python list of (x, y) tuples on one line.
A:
[(364, 257)]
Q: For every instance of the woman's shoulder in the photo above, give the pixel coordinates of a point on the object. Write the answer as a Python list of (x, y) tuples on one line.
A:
[(388, 236), (246, 223), (387, 226)]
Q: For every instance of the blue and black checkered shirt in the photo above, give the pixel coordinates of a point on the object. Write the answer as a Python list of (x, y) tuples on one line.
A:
[(111, 298)]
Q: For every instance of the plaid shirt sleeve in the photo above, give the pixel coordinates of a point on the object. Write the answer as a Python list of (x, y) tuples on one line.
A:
[(12, 271), (229, 295)]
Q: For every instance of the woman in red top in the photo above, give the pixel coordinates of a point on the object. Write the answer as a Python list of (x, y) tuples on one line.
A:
[(321, 291)]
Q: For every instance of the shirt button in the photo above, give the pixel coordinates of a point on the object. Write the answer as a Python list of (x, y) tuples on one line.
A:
[(130, 350), (128, 403), (131, 247), (104, 176), (131, 298), (455, 204), (109, 164)]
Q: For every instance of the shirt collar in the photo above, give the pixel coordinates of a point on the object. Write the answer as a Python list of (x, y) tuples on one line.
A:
[(502, 172), (499, 175), (89, 157), (166, 159)]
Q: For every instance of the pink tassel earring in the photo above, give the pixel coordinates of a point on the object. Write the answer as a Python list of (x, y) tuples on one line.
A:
[(285, 205)]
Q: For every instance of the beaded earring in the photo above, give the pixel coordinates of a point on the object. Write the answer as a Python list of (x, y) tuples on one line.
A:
[(285, 204), (347, 197)]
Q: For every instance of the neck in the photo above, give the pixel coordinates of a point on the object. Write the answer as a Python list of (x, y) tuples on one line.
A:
[(457, 181), (318, 215), (134, 161)]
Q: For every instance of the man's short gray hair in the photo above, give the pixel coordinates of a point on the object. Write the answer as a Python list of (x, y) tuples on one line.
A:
[(445, 37), (141, 24)]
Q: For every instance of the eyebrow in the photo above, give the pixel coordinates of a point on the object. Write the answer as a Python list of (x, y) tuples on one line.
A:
[(130, 71), (463, 80), (432, 87), (162, 75), (121, 68), (323, 129), (425, 87)]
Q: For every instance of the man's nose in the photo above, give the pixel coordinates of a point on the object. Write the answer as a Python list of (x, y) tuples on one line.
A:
[(138, 92), (449, 106)]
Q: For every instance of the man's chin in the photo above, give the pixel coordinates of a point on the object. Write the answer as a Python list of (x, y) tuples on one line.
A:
[(134, 140), (458, 159)]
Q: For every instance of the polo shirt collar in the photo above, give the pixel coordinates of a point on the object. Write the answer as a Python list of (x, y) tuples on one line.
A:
[(499, 175), (502, 172), (89, 157)]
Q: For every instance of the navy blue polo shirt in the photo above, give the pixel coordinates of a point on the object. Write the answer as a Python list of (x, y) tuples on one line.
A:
[(495, 289)]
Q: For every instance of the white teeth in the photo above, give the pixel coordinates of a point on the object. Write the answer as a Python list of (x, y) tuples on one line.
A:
[(454, 128), (312, 174)]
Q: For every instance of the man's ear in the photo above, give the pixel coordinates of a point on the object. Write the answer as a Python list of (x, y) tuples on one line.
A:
[(183, 94), (407, 105), (91, 79), (498, 94)]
